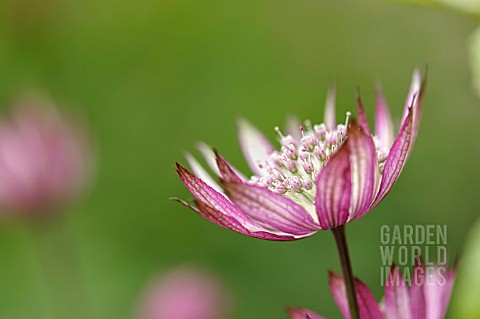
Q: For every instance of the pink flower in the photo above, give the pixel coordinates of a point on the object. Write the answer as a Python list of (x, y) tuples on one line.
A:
[(427, 297), (184, 293), (44, 159), (322, 177)]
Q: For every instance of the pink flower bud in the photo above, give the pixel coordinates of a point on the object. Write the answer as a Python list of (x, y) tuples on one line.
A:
[(44, 160), (184, 294)]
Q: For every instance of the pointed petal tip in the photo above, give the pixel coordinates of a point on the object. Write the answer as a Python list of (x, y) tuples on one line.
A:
[(455, 262), (301, 313), (190, 159), (332, 92), (332, 274), (255, 146), (179, 200), (292, 126), (330, 117), (241, 121), (181, 170), (379, 95), (352, 123), (357, 93), (201, 144), (207, 152), (361, 115), (184, 203), (393, 266), (384, 129), (188, 156), (244, 125), (215, 151), (378, 86), (354, 127), (334, 279), (397, 157), (419, 79), (178, 166), (227, 172), (418, 261), (204, 148), (333, 85), (421, 73), (358, 96)]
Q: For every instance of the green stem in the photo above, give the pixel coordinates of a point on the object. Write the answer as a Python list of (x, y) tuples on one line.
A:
[(56, 251), (341, 241)]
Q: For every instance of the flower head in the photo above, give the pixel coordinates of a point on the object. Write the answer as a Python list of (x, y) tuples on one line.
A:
[(321, 177), (427, 297), (44, 159), (185, 293)]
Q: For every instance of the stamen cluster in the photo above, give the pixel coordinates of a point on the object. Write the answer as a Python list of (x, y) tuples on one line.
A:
[(293, 169), (296, 165)]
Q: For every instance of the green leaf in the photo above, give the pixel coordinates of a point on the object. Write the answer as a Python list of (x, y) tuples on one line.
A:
[(465, 303), (475, 59)]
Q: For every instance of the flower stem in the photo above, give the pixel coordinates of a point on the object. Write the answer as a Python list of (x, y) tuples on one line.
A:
[(56, 251), (341, 241)]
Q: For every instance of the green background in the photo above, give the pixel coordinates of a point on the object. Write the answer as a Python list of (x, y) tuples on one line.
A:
[(154, 77)]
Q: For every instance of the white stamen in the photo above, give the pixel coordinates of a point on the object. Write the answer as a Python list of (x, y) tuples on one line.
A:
[(277, 129), (347, 118)]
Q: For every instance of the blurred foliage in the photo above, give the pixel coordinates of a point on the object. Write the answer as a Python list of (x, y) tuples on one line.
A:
[(474, 47), (467, 6), (153, 77), (465, 303)]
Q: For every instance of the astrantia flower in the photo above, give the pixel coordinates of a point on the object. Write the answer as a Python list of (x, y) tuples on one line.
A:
[(321, 177), (427, 297), (45, 159), (185, 293)]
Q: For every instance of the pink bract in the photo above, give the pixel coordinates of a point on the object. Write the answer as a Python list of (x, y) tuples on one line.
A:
[(322, 176)]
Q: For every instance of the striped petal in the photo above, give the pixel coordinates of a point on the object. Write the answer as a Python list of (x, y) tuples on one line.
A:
[(383, 122), (416, 105), (272, 209), (367, 304), (298, 313), (397, 299), (362, 155), (216, 208), (396, 159), (228, 222), (417, 295), (403, 144), (255, 146), (227, 172), (330, 118), (334, 188), (415, 96), (345, 186), (209, 156), (437, 291), (199, 171), (413, 103), (209, 196)]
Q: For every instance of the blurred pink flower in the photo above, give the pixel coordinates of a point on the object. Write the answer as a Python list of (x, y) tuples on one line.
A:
[(185, 293), (427, 297), (45, 159)]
